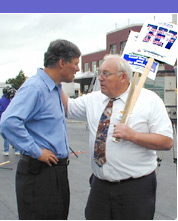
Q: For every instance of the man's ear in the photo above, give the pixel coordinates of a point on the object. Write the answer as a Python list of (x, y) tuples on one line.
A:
[(124, 76), (61, 63)]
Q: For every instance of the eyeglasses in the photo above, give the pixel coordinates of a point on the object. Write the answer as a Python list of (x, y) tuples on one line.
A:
[(106, 74)]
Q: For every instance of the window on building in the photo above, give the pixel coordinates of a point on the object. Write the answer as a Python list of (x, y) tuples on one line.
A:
[(100, 62), (113, 49), (123, 43), (85, 88), (161, 67), (93, 67), (86, 67)]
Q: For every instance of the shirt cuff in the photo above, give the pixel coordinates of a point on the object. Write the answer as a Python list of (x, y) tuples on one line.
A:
[(36, 153)]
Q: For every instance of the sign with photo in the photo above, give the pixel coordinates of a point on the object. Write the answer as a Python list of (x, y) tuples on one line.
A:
[(158, 40), (137, 62)]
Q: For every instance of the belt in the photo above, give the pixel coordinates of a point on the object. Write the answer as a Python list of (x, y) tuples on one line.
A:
[(122, 181), (113, 182), (61, 162)]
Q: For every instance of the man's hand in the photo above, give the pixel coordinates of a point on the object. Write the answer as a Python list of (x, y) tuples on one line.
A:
[(152, 141), (123, 131), (48, 156)]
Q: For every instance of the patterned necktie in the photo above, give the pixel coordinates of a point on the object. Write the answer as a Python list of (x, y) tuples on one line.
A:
[(100, 142)]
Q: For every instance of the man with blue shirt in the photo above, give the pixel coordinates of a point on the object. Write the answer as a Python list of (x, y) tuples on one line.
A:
[(34, 123)]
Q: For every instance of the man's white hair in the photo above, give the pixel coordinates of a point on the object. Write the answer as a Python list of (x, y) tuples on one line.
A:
[(123, 65)]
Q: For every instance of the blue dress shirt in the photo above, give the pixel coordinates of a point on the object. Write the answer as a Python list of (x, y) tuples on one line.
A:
[(35, 118)]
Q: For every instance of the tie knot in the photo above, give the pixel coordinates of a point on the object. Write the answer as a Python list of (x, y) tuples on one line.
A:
[(112, 99)]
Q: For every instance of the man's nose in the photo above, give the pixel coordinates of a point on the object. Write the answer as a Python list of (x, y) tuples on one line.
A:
[(100, 78), (78, 69)]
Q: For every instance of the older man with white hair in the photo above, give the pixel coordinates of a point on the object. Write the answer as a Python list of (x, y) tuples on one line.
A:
[(123, 184)]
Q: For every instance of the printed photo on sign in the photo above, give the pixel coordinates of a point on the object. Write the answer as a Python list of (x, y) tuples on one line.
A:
[(137, 62), (159, 41)]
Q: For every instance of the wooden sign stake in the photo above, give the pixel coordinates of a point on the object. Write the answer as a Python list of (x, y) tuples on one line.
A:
[(4, 163), (134, 93), (128, 102)]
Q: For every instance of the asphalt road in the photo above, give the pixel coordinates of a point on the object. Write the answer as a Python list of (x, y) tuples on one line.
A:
[(79, 173)]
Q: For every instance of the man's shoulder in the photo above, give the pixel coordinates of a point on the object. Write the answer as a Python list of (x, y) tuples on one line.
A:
[(34, 82), (148, 92), (3, 99), (149, 96), (89, 98), (96, 94)]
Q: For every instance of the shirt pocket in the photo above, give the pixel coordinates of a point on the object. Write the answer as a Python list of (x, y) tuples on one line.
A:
[(139, 122)]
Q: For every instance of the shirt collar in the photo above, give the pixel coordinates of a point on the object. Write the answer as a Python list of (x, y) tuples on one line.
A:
[(123, 96), (48, 81)]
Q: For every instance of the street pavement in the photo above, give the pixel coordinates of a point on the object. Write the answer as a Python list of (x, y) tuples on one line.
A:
[(79, 173)]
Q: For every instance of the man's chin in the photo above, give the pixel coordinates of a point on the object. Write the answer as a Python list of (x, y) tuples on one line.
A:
[(69, 80), (103, 91)]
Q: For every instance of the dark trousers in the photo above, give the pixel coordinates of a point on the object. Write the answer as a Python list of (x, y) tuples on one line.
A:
[(42, 191), (132, 199)]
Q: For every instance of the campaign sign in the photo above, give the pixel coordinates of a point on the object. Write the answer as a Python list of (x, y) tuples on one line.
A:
[(159, 41), (136, 61), (138, 64)]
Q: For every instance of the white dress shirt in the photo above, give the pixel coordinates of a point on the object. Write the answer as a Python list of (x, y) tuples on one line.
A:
[(123, 159)]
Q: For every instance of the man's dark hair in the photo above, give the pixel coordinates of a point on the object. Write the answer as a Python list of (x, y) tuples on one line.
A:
[(60, 49)]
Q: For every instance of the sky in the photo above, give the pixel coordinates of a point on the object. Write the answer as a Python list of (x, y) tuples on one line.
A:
[(25, 37)]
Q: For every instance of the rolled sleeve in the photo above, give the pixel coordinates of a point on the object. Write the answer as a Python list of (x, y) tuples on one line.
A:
[(159, 121)]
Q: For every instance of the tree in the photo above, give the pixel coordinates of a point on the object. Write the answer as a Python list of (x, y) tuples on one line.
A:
[(18, 80)]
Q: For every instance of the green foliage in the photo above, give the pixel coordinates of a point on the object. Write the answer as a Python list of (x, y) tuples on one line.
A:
[(18, 80)]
